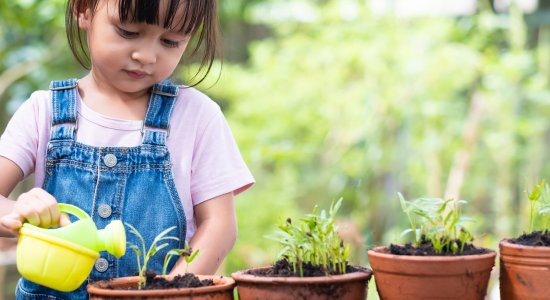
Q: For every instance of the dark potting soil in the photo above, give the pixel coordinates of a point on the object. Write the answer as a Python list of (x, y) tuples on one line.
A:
[(188, 280), (283, 268), (426, 248), (536, 238)]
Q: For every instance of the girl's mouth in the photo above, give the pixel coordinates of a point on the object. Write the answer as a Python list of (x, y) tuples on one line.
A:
[(136, 74)]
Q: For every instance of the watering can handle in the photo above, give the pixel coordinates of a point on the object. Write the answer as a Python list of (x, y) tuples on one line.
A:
[(73, 210)]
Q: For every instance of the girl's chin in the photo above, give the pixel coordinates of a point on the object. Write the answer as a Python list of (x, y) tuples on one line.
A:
[(132, 87)]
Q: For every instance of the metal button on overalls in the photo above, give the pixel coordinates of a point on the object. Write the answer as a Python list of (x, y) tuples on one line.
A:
[(104, 210), (101, 264), (110, 160)]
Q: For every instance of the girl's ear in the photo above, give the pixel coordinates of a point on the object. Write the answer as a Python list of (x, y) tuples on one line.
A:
[(85, 19)]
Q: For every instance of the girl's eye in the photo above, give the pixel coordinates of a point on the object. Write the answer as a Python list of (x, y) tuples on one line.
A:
[(170, 43), (126, 33)]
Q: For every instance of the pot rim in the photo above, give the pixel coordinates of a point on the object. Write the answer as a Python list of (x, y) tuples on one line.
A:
[(382, 251), (221, 283), (507, 243), (242, 276)]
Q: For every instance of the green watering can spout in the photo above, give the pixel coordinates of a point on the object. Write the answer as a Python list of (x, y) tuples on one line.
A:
[(113, 238)]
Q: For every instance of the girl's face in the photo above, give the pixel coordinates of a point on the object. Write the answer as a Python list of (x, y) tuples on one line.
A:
[(131, 57)]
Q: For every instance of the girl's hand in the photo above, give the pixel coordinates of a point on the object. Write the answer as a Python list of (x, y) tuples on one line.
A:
[(37, 207)]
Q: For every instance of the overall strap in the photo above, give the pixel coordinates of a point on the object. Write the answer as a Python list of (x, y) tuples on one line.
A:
[(64, 99), (156, 126)]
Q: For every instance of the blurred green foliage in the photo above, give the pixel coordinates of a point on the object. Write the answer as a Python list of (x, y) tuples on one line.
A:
[(351, 104), (33, 50), (370, 105)]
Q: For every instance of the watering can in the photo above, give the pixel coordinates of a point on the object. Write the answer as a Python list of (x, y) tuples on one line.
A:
[(62, 258)]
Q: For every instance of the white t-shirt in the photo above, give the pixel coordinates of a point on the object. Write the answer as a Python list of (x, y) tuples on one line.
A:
[(206, 160)]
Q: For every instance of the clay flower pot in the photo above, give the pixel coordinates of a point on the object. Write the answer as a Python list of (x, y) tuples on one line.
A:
[(431, 277), (524, 271), (350, 286), (104, 289)]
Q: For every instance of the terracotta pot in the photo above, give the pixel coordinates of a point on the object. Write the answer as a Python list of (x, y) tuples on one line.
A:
[(350, 286), (431, 277), (221, 290), (524, 271)]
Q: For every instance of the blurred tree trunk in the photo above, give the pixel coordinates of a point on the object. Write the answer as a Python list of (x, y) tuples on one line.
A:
[(462, 158), (237, 35)]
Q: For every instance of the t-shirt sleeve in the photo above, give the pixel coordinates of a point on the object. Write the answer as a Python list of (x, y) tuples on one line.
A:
[(217, 166), (19, 141)]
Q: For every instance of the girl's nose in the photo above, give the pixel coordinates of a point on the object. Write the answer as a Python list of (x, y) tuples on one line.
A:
[(145, 56)]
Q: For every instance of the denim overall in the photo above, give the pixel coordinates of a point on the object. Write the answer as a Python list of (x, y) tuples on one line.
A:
[(132, 184)]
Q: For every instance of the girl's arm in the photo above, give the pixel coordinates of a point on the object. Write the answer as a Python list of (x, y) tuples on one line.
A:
[(10, 175), (36, 206), (216, 234)]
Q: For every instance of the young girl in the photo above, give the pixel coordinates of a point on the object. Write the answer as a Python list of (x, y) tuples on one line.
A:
[(123, 143)]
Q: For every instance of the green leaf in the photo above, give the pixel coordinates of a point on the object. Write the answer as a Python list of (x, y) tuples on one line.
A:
[(193, 256)]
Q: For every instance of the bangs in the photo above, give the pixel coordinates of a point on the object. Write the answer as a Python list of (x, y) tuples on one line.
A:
[(185, 16), (196, 18)]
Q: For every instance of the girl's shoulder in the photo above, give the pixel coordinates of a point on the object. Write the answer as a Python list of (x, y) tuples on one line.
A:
[(194, 111), (40, 97), (191, 100), (192, 96), (39, 102)]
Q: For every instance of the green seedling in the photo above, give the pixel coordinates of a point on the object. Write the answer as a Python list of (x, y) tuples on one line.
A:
[(187, 254), (314, 240), (539, 202), (438, 221), (145, 255)]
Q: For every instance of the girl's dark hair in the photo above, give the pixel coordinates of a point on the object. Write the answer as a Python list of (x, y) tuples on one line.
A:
[(199, 20)]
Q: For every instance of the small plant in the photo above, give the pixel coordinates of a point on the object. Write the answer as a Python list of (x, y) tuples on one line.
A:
[(438, 221), (315, 241), (187, 254), (539, 204), (145, 255)]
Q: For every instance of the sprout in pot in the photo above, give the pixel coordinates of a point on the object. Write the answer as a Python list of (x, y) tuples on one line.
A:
[(148, 278), (440, 263), (525, 260), (437, 227), (313, 264), (538, 233), (146, 284), (311, 247)]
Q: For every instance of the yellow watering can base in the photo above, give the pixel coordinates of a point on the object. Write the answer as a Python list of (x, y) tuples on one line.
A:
[(53, 262), (62, 258)]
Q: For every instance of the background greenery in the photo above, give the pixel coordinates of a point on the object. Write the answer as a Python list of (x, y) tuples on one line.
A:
[(328, 99)]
